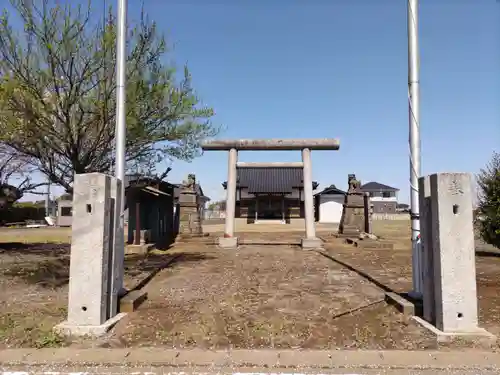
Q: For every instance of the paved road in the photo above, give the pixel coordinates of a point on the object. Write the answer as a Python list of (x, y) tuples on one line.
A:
[(176, 371), (154, 361)]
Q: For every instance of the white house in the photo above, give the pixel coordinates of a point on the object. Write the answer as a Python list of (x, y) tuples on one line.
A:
[(328, 205)]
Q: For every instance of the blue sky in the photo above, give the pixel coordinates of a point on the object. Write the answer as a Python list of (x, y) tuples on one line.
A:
[(318, 68)]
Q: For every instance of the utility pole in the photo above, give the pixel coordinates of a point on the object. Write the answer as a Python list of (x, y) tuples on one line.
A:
[(414, 143)]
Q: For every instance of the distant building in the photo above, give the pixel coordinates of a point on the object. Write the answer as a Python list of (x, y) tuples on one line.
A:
[(265, 194), (383, 197), (328, 205), (403, 207)]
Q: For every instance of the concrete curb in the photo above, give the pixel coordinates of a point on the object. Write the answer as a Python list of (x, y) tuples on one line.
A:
[(296, 359)]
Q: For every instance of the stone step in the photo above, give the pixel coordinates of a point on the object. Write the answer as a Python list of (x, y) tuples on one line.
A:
[(271, 242), (369, 243)]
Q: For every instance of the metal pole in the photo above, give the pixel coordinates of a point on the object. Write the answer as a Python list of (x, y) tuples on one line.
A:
[(120, 92), (414, 142), (120, 134)]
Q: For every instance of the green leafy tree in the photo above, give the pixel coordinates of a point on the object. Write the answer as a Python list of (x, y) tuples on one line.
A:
[(57, 93), (488, 211)]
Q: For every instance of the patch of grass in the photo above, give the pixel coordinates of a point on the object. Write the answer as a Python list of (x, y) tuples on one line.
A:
[(35, 235), (34, 330), (7, 325), (49, 339), (393, 229)]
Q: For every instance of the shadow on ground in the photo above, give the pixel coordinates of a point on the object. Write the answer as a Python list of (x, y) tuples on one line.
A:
[(54, 271), (37, 248), (487, 253)]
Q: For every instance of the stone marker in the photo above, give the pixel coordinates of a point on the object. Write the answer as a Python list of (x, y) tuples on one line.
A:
[(352, 222), (448, 238), (92, 295)]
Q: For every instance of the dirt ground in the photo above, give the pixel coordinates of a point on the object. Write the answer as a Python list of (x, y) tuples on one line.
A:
[(392, 268), (265, 297), (257, 297), (34, 290)]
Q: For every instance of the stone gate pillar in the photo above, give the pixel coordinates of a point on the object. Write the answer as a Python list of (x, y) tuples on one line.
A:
[(93, 290), (310, 240), (229, 240), (450, 292)]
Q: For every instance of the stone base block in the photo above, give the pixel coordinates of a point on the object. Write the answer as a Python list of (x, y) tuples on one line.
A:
[(228, 242), (347, 235), (311, 243), (404, 306), (68, 329), (477, 335), (132, 300), (138, 249), (369, 244)]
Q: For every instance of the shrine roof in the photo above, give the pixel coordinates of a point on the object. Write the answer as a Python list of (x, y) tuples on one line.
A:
[(269, 180)]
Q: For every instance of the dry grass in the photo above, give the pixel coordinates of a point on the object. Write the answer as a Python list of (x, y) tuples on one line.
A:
[(34, 288), (35, 235)]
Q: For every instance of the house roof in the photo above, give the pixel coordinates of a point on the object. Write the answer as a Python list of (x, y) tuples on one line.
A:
[(332, 189), (270, 179), (376, 186)]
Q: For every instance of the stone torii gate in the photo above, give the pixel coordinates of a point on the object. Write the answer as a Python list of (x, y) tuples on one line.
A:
[(304, 145)]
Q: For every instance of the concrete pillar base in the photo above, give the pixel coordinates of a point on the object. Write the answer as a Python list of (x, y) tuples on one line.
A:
[(68, 329), (311, 243), (228, 242), (475, 334)]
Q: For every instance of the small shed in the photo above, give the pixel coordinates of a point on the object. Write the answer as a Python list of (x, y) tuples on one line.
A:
[(150, 206), (329, 204)]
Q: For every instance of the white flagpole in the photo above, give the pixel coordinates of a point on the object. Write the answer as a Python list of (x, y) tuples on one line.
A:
[(120, 131)]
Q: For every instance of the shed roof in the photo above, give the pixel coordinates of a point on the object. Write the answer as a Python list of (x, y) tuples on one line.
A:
[(332, 189)]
